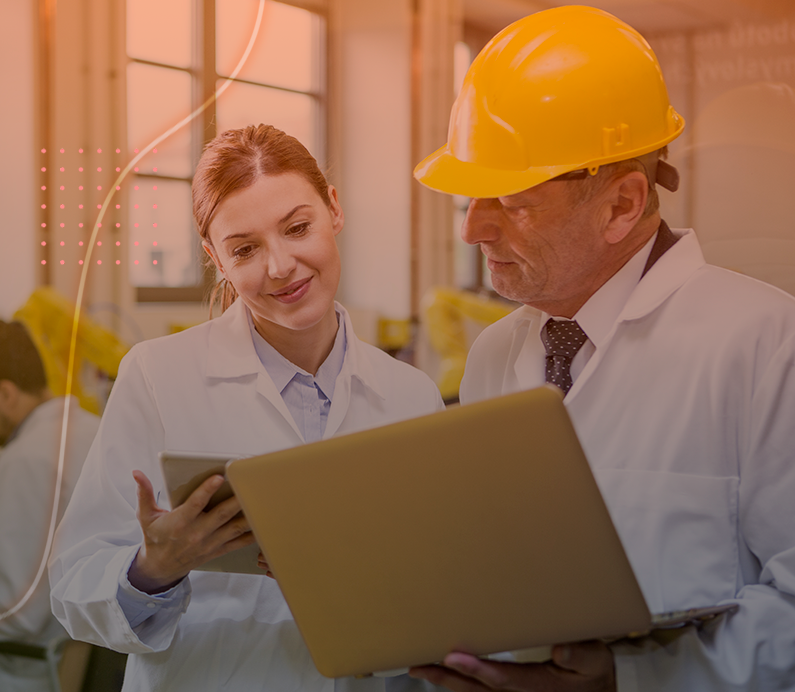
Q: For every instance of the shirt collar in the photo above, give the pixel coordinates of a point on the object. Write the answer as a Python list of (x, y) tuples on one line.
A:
[(601, 310), (282, 371)]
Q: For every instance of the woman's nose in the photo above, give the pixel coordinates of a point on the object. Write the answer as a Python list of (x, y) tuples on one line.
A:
[(481, 223), (280, 263)]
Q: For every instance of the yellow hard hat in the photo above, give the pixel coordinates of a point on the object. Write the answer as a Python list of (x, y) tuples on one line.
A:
[(561, 90)]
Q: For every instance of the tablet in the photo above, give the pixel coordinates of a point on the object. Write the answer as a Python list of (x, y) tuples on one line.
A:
[(183, 472)]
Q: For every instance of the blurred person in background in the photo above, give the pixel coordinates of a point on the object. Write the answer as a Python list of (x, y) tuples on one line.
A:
[(31, 421)]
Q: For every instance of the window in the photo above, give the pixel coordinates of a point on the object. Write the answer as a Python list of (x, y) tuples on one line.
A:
[(179, 52)]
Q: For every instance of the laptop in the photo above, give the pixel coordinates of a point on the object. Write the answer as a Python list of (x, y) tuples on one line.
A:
[(478, 529)]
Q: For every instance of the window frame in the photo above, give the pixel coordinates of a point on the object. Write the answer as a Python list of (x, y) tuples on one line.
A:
[(204, 79)]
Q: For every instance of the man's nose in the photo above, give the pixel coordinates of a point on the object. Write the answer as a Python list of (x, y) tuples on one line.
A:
[(481, 223)]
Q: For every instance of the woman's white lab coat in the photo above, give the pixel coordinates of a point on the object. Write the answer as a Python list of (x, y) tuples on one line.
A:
[(686, 413), (205, 389)]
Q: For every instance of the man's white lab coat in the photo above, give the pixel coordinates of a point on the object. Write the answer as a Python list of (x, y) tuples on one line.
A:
[(28, 468), (205, 390), (687, 416)]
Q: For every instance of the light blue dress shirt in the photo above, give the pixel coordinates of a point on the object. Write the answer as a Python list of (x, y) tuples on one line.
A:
[(308, 397)]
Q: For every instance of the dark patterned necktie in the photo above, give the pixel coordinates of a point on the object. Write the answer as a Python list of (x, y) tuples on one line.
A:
[(562, 340)]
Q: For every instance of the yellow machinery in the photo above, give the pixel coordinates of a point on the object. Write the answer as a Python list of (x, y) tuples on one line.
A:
[(445, 310), (49, 317)]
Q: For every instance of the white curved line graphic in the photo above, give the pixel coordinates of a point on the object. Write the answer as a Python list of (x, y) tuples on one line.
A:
[(81, 289)]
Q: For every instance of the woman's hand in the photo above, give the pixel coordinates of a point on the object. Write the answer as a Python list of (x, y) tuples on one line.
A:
[(178, 541)]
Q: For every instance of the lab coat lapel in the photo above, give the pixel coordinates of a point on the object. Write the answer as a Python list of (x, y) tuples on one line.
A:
[(669, 272), (356, 364), (528, 350), (231, 354)]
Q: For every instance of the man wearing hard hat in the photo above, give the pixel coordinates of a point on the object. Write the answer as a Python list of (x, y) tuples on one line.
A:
[(679, 376)]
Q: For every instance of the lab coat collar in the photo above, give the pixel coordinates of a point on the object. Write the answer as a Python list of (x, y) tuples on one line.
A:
[(230, 350), (357, 364), (667, 275), (44, 409), (231, 354)]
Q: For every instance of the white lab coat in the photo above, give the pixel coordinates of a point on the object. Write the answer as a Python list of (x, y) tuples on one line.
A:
[(687, 416), (205, 389), (28, 468)]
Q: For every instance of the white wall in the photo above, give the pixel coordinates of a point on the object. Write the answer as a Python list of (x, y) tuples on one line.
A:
[(18, 195), (371, 151)]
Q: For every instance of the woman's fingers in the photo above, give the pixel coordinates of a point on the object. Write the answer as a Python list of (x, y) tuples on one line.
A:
[(199, 498), (148, 510)]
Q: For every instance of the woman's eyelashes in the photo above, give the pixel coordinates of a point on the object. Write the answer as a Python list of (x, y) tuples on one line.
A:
[(242, 252), (299, 228), (294, 231)]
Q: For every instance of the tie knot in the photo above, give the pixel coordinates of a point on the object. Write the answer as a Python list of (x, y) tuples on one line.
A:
[(562, 338)]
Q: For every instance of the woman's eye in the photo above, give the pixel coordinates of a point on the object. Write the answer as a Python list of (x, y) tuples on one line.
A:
[(299, 228), (243, 251)]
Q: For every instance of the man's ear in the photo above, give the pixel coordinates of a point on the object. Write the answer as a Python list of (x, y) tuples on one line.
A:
[(629, 193), (210, 250), (9, 394)]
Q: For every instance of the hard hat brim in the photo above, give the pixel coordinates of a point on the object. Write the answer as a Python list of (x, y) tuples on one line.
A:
[(443, 172)]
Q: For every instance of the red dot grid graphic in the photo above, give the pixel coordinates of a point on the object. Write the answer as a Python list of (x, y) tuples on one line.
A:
[(82, 204)]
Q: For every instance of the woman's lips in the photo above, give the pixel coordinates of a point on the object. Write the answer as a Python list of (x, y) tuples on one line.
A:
[(294, 292)]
